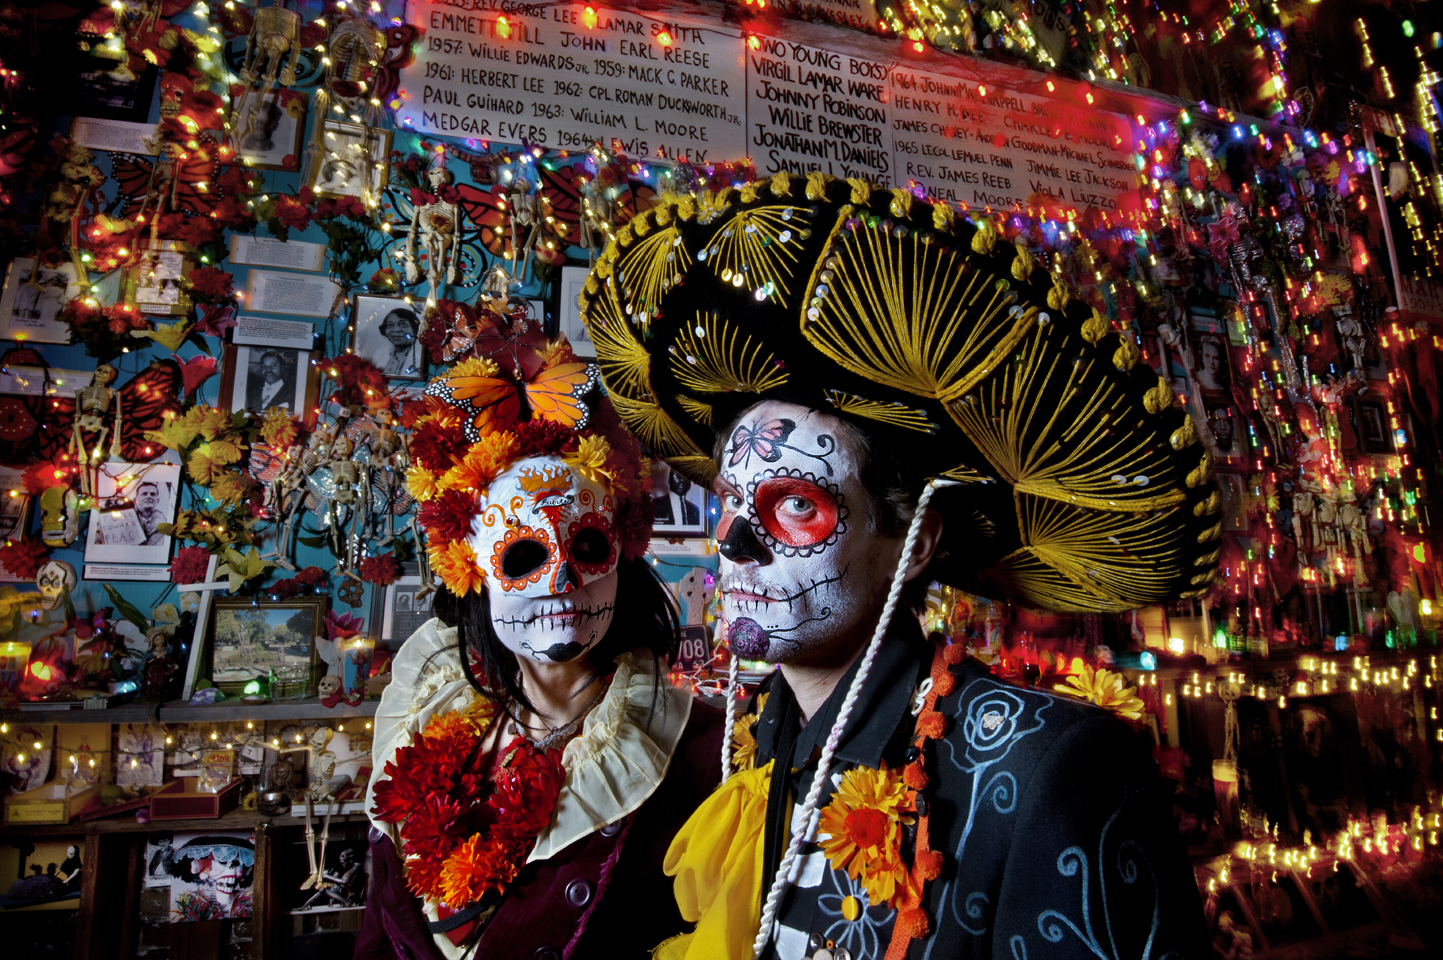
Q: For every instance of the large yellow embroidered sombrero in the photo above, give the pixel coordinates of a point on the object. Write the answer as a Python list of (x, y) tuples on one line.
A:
[(1083, 488)]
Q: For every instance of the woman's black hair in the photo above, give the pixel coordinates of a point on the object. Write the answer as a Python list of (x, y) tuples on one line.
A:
[(407, 315), (645, 619)]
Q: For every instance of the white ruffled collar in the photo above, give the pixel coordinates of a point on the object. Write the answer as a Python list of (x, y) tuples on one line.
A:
[(612, 767)]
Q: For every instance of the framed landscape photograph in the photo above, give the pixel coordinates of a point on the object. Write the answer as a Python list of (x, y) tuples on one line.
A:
[(248, 638), (388, 333)]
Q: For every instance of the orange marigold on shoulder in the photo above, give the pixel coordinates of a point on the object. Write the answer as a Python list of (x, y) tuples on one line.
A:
[(862, 830)]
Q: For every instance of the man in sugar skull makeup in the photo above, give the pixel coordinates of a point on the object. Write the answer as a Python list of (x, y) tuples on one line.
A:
[(892, 396), (530, 724)]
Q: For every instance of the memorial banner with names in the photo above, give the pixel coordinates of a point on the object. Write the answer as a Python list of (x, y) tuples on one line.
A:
[(566, 76), (687, 88)]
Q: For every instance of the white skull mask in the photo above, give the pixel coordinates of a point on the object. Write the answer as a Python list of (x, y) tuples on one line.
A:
[(54, 579), (547, 542), (802, 564)]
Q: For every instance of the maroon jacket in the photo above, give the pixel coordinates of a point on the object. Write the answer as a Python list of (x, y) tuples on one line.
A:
[(604, 895)]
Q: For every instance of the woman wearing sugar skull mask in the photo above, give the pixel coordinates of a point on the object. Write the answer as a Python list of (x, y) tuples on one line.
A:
[(552, 762)]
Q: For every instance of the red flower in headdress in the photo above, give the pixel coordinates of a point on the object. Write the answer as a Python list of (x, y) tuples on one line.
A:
[(448, 517)]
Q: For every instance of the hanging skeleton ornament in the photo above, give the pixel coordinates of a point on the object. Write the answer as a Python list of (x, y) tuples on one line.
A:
[(65, 204), (437, 221), (274, 40), (597, 213), (354, 50), (92, 403)]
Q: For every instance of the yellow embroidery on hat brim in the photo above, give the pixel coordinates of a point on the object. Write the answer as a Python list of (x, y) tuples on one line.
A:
[(654, 427), (756, 249), (712, 355), (897, 414), (911, 313), (625, 363)]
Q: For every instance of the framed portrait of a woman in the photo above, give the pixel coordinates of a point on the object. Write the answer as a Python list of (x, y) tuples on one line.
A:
[(387, 332)]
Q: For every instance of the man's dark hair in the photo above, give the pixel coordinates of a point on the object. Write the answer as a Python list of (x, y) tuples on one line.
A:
[(645, 618), (894, 491), (271, 353)]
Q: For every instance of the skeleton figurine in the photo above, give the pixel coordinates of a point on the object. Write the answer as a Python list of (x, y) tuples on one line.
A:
[(1352, 333), (439, 224), (525, 217), (355, 48), (597, 211), (79, 179), (275, 34), (92, 403)]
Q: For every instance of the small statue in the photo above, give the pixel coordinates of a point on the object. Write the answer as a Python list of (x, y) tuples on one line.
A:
[(597, 212), (438, 222)]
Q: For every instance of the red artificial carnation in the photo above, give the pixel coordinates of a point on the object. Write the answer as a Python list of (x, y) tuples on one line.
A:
[(189, 565), (382, 570), (437, 445), (211, 283), (204, 108), (350, 207), (238, 181), (39, 477), (633, 526), (359, 383), (233, 214), (22, 558), (192, 231), (293, 213), (428, 823), (539, 438), (448, 517)]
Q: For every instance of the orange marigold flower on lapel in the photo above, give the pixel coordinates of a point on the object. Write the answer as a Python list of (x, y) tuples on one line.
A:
[(862, 831)]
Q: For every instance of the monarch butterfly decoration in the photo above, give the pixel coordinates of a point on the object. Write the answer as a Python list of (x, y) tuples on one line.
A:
[(195, 184), (146, 402), (556, 394)]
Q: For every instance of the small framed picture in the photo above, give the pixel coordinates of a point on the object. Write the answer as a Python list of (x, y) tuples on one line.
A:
[(399, 608), (1373, 429), (1210, 354), (271, 128), (32, 298), (355, 160), (258, 379), (155, 284), (680, 506), (387, 332), (132, 499), (248, 638), (568, 310)]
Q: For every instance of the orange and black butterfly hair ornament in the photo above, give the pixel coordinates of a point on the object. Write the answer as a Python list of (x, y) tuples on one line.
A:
[(522, 396)]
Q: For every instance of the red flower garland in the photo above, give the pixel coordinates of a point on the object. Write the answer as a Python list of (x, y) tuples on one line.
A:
[(465, 838)]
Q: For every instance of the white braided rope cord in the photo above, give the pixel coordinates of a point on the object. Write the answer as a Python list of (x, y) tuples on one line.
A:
[(731, 719), (810, 813)]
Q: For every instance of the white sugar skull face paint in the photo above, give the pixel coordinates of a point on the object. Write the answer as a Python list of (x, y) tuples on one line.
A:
[(547, 541), (801, 564)]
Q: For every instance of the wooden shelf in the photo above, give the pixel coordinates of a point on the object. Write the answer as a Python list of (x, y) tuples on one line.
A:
[(178, 711), (126, 823)]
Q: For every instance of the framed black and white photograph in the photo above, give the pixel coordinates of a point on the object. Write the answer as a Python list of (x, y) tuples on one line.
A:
[(270, 129), (399, 608), (258, 379), (248, 638), (355, 160), (388, 333), (568, 310), (1373, 430), (680, 506), (1210, 354), (32, 298), (132, 500), (102, 94)]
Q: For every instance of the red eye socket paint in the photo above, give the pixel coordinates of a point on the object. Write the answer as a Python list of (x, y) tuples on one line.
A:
[(796, 512)]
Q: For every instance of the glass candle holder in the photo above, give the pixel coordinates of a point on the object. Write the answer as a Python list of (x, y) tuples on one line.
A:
[(289, 681)]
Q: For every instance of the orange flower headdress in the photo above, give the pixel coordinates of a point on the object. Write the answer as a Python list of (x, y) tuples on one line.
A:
[(524, 397)]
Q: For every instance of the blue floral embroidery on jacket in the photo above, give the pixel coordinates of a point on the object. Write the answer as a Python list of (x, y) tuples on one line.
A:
[(1055, 925), (991, 724), (862, 936)]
